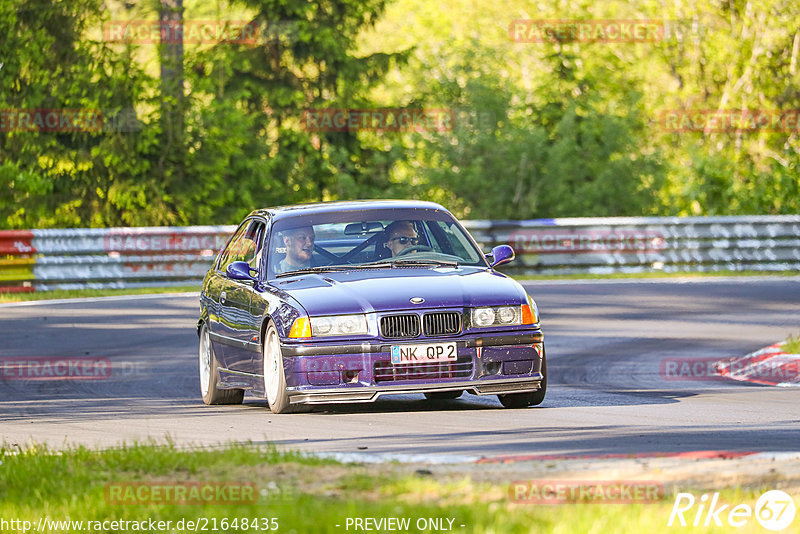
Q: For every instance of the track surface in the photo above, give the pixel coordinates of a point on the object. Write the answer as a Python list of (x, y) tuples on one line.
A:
[(605, 343)]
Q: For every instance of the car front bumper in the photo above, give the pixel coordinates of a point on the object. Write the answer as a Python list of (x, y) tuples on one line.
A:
[(490, 364), (372, 393)]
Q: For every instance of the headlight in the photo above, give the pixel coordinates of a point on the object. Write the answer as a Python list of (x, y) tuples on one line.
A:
[(505, 315), (508, 315), (483, 316), (497, 316), (322, 326), (339, 325)]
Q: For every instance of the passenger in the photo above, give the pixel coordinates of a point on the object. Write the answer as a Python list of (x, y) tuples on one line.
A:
[(299, 243), (400, 236)]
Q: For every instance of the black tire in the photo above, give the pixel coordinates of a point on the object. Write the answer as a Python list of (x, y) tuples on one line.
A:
[(533, 398), (443, 395), (209, 375)]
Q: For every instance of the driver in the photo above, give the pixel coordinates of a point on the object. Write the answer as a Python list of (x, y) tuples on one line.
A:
[(401, 235), (299, 243)]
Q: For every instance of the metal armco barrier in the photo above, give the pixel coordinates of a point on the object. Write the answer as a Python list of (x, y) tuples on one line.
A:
[(42, 260), (646, 244)]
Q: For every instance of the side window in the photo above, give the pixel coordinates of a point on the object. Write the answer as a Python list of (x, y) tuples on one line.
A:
[(253, 244), (248, 244), (228, 255)]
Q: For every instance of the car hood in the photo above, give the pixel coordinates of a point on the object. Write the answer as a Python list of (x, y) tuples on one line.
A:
[(391, 289)]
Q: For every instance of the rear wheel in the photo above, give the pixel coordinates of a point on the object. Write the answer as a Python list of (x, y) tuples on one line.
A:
[(523, 400), (443, 395), (209, 375)]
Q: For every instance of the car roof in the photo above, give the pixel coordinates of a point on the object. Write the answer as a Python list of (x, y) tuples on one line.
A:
[(280, 212)]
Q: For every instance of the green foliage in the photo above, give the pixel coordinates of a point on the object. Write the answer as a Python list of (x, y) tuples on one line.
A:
[(565, 128), (792, 344), (304, 494), (95, 177), (732, 56), (247, 138), (565, 151), (576, 124)]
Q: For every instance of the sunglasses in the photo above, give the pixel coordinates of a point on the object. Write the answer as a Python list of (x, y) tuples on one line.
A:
[(405, 240)]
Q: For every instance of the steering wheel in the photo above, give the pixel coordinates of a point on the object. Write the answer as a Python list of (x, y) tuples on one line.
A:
[(414, 248)]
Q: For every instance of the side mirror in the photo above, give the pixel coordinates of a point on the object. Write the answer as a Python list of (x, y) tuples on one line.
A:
[(239, 270), (501, 254)]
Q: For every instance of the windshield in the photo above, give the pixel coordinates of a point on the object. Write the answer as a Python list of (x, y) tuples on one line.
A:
[(369, 239)]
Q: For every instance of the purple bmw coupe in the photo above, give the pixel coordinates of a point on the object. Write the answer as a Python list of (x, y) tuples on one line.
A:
[(350, 301)]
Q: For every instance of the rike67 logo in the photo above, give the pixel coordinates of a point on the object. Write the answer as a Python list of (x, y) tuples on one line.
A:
[(774, 510)]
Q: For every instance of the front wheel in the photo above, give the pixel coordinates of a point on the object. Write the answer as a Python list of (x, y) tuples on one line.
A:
[(523, 400), (274, 376), (209, 375)]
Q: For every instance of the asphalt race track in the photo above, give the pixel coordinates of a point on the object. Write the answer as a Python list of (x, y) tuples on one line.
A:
[(606, 342)]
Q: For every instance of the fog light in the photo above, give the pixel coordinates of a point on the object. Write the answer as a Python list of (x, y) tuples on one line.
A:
[(350, 376), (491, 368)]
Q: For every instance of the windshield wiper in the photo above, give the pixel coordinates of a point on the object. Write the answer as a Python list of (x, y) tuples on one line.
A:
[(320, 269), (439, 263), (377, 265)]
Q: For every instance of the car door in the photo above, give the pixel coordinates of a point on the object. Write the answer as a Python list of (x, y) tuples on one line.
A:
[(240, 326), (265, 298), (215, 295)]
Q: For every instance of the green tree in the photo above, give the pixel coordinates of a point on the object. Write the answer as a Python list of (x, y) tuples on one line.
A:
[(97, 175), (248, 144), (570, 150)]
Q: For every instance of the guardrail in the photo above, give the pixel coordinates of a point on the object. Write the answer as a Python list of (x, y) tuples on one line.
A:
[(646, 244), (42, 260)]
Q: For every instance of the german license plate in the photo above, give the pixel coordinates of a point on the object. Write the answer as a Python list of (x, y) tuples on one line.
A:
[(433, 352)]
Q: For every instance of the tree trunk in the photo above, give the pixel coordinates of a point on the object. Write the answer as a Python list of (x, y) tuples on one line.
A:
[(170, 17)]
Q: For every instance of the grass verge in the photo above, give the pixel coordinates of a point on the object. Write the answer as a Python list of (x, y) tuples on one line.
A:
[(85, 293), (792, 344), (292, 492)]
